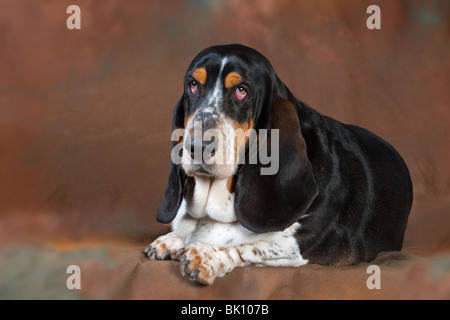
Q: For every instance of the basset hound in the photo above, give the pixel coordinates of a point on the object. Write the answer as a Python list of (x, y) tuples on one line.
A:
[(338, 194)]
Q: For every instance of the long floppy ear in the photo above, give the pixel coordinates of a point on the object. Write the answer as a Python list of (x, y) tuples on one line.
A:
[(265, 203), (173, 194)]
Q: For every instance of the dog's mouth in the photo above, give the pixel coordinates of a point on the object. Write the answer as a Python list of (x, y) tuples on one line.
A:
[(209, 148), (214, 171), (200, 170), (198, 165)]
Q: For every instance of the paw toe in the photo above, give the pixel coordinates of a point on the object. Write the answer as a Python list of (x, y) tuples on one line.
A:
[(164, 248)]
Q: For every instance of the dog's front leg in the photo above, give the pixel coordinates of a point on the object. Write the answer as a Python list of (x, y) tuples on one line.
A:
[(166, 247), (204, 263)]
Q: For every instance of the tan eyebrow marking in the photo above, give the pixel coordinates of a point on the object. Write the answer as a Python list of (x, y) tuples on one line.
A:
[(232, 79), (200, 75)]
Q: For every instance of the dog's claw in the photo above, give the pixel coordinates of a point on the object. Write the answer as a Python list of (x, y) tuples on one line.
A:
[(151, 252), (180, 252), (184, 261), (194, 274), (146, 250), (166, 255)]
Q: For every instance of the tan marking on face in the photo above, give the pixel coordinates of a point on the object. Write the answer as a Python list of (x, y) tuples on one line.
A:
[(241, 142), (186, 120), (232, 79), (231, 184), (200, 75)]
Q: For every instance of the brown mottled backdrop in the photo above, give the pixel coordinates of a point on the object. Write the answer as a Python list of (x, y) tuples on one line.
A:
[(85, 119)]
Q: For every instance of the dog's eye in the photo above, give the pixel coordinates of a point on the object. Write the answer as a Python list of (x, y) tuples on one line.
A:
[(241, 93), (194, 86)]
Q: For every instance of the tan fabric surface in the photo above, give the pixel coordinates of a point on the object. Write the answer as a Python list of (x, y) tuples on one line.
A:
[(111, 273), (85, 118)]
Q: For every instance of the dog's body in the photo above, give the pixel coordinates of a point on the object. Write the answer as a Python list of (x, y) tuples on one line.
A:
[(341, 194)]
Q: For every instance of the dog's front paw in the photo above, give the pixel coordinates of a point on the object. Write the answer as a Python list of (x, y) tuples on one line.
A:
[(204, 263), (166, 247)]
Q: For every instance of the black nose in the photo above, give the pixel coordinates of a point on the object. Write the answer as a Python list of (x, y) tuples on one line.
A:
[(200, 145)]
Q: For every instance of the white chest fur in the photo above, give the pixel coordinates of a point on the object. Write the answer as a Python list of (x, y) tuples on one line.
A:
[(209, 217), (212, 199), (225, 235)]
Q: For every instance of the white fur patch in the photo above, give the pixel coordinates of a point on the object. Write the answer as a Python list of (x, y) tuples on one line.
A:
[(217, 93), (212, 199), (223, 164)]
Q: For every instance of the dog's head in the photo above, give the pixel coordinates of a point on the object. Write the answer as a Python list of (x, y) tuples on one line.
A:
[(233, 107), (223, 90)]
